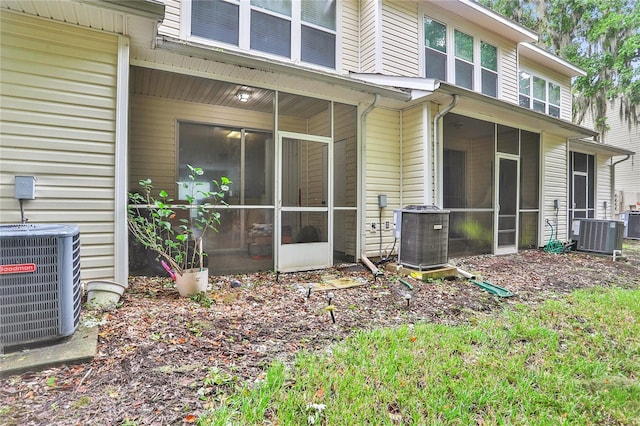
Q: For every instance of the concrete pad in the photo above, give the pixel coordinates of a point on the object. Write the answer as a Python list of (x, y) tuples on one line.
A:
[(80, 347), (424, 275)]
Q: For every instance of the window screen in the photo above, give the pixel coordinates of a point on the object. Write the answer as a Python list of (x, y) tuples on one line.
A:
[(215, 20), (270, 34)]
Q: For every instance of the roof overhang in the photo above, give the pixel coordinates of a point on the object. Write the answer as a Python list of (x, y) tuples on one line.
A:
[(549, 60), (481, 105), (254, 62), (487, 18), (146, 8), (597, 148), (105, 15)]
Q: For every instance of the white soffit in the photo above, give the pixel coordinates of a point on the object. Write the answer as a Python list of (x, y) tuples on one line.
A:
[(549, 60), (489, 19), (597, 148)]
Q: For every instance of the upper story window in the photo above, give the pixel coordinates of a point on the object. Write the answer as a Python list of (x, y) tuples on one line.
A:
[(299, 30), (472, 63), (539, 94)]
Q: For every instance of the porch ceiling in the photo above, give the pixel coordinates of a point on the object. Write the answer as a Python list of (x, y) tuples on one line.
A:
[(186, 88)]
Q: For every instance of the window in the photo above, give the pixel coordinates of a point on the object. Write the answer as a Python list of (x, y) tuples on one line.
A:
[(539, 94), (464, 60), (435, 42), (470, 63), (304, 31), (489, 73)]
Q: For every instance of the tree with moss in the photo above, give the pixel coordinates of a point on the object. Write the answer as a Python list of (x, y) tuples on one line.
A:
[(600, 36)]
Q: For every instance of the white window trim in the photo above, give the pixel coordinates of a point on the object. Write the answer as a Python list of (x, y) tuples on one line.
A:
[(546, 86), (451, 54), (244, 39)]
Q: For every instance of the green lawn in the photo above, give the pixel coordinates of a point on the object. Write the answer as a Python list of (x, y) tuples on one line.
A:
[(571, 361)]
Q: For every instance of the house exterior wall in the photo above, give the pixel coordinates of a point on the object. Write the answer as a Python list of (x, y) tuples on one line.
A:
[(416, 158), (350, 26), (627, 173), (603, 187), (59, 124), (566, 99), (382, 171), (400, 38), (171, 24), (370, 29), (555, 172)]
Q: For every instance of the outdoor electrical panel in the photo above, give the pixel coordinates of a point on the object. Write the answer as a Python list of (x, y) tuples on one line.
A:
[(25, 188), (382, 201)]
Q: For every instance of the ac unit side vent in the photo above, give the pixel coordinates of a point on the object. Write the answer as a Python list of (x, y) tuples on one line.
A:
[(631, 221), (40, 293), (600, 236), (424, 237)]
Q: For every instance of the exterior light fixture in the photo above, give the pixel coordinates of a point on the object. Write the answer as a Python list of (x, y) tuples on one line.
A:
[(243, 95)]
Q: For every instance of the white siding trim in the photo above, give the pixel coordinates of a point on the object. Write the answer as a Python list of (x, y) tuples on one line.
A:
[(121, 247)]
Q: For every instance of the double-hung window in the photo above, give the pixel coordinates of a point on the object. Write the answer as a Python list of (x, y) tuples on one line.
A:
[(539, 94), (299, 30), (470, 62)]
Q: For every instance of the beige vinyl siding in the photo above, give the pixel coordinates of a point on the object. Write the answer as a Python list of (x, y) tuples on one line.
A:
[(555, 187), (400, 38), (627, 173), (58, 124), (171, 24), (508, 72), (153, 133), (369, 37), (566, 105), (350, 36), (414, 155), (604, 192), (382, 174)]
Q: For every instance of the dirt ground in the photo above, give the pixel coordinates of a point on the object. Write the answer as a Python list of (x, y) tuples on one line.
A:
[(163, 359)]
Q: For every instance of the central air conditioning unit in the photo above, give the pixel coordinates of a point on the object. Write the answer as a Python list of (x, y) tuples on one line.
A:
[(424, 236), (599, 235), (40, 292), (631, 219)]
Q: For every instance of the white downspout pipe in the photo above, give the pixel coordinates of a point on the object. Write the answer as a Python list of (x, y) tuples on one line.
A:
[(436, 152), (363, 197), (613, 185)]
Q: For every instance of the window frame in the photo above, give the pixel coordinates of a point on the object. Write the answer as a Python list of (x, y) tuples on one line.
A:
[(244, 32), (532, 99), (452, 58)]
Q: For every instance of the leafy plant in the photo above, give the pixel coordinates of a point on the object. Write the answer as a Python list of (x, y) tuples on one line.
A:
[(151, 219)]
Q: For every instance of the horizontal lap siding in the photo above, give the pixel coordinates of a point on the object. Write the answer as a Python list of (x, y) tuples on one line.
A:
[(603, 187), (171, 24), (414, 155), (58, 124), (382, 173), (400, 38), (369, 36), (508, 72), (350, 36), (555, 175)]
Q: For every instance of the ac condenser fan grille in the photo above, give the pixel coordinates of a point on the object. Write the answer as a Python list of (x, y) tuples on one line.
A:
[(39, 284)]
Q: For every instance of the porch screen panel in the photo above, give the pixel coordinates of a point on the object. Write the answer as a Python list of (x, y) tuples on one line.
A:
[(529, 189)]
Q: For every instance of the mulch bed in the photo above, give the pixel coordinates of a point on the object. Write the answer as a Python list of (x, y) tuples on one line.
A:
[(157, 350)]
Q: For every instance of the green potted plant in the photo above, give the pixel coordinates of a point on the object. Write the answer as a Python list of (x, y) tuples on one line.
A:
[(178, 243)]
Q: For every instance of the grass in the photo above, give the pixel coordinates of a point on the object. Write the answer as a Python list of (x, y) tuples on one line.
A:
[(571, 361)]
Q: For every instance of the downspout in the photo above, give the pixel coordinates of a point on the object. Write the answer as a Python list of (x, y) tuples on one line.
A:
[(437, 176), (363, 134), (613, 183)]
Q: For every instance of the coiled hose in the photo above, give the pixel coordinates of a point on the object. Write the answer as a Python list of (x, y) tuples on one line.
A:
[(554, 245)]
